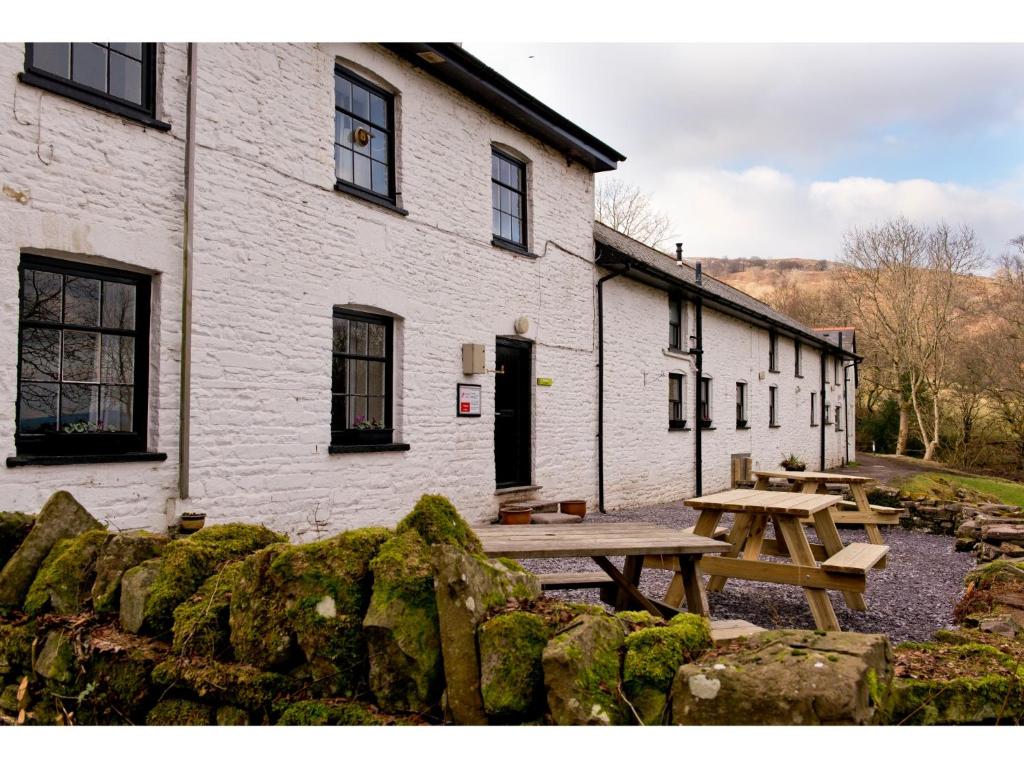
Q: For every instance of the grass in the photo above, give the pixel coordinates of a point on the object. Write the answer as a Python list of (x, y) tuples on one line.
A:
[(944, 486)]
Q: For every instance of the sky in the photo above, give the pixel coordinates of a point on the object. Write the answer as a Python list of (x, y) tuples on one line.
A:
[(776, 150)]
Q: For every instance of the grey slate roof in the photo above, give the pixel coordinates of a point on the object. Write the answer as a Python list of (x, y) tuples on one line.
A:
[(710, 287)]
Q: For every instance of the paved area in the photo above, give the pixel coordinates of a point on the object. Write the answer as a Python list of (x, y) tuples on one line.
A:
[(889, 470)]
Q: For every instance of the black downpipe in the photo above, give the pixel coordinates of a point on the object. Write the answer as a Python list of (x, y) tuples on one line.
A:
[(846, 406), (600, 385), (824, 410), (698, 353)]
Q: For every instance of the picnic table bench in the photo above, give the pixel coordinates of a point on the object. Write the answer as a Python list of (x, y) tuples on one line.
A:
[(842, 568), (636, 542)]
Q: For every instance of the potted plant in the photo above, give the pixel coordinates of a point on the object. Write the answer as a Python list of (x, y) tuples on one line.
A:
[(367, 432), (741, 423), (793, 463), (705, 423), (515, 514)]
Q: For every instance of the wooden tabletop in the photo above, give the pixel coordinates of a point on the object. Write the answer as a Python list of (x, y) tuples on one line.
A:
[(599, 539), (821, 477), (766, 502)]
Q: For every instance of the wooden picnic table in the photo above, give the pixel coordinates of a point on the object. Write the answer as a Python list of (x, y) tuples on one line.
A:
[(634, 541), (841, 568), (862, 513)]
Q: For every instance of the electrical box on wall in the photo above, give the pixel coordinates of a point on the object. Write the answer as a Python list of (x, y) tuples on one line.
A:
[(474, 359)]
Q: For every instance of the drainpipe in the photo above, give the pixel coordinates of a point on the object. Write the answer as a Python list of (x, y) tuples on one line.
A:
[(824, 409), (698, 353), (600, 385), (185, 405), (846, 407)]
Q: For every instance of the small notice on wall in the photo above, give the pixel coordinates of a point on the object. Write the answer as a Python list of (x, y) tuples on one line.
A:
[(469, 400)]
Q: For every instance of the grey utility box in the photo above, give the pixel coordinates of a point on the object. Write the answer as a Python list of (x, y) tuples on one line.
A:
[(474, 359)]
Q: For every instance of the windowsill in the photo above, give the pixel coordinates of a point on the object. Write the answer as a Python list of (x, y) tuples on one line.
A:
[(774, 370), (673, 352), (369, 197), (798, 375), (382, 448), (505, 245), (94, 100), (774, 426), (680, 429), (517, 489), (708, 429), (100, 458), (743, 429)]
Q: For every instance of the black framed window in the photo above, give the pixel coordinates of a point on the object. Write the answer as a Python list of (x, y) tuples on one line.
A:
[(118, 77), (364, 139), (814, 409), (773, 406), (741, 404), (508, 199), (836, 366), (361, 379), (839, 419), (825, 367), (798, 354), (83, 359), (675, 324), (827, 409), (773, 352), (676, 401), (705, 402)]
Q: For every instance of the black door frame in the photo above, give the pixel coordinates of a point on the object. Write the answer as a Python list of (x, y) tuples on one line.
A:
[(525, 413)]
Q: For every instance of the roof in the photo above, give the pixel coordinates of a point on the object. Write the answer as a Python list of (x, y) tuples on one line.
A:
[(453, 65), (845, 337), (664, 271)]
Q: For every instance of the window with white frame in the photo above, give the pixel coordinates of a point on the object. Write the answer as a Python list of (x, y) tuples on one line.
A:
[(705, 402)]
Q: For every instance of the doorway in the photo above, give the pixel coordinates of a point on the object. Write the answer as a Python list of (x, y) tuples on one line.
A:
[(512, 413)]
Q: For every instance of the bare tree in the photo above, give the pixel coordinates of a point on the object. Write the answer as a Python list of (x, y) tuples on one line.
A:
[(627, 209), (1005, 352)]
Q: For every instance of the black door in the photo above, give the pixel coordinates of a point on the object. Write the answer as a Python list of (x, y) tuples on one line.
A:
[(512, 413)]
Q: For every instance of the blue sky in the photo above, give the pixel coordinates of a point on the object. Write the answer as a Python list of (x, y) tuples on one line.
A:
[(775, 150)]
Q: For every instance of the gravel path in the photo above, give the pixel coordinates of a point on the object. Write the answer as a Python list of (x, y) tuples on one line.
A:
[(908, 600)]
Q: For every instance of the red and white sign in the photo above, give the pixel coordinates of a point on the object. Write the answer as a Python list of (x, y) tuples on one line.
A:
[(469, 399)]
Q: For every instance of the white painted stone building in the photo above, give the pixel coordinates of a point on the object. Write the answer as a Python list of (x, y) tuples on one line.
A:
[(353, 222)]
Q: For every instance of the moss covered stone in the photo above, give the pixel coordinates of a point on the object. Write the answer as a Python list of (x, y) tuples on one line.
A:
[(16, 647), (653, 656), (55, 660), (225, 683), (201, 622), (14, 527), (581, 672), (117, 686), (639, 619), (511, 670), (228, 715), (64, 582), (995, 573), (437, 521), (120, 553), (327, 713), (179, 712), (187, 563)]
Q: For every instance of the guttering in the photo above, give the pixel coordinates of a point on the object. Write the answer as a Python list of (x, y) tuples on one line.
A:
[(185, 402), (600, 385), (698, 353)]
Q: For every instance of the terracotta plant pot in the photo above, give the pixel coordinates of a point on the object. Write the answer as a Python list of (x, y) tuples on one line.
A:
[(516, 514), (577, 507), (190, 523)]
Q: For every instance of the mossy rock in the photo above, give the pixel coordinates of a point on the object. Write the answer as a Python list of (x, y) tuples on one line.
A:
[(401, 625), (179, 712), (14, 527), (654, 655), (304, 604), (55, 660), (996, 572), (511, 668), (187, 563), (122, 552), (328, 713), (635, 620), (64, 582), (201, 622), (437, 521), (228, 715), (16, 648), (117, 686), (225, 683)]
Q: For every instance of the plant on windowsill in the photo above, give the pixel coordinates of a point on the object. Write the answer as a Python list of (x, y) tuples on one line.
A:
[(705, 423), (365, 432), (741, 423), (793, 463), (81, 427)]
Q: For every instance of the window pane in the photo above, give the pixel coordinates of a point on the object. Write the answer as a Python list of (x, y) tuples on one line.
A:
[(342, 93), (40, 354), (505, 201), (118, 306), (342, 129), (376, 412), (343, 163), (115, 409), (517, 235), (495, 171), (673, 388), (378, 111), (357, 339), (89, 65), (117, 363), (379, 146), (506, 172), (340, 334), (360, 102), (376, 341), (357, 377), (375, 378), (37, 411), (128, 49), (357, 411), (81, 357), (506, 226), (380, 178), (40, 298), (125, 78), (361, 171), (514, 200), (52, 57), (81, 300), (338, 413), (79, 407), (495, 195), (338, 378), (363, 149), (513, 175), (495, 223)]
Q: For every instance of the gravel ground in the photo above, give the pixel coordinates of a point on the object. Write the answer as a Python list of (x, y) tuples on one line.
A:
[(908, 600)]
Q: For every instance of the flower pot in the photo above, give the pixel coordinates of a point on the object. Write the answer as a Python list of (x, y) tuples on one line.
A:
[(577, 507), (192, 522), (741, 423), (516, 514)]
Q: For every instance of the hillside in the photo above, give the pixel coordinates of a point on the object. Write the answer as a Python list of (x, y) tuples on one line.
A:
[(758, 277)]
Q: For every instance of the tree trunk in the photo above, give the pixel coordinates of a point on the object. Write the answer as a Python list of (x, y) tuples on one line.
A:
[(904, 431)]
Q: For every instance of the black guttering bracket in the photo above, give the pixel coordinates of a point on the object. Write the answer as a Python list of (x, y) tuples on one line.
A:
[(474, 79), (607, 256)]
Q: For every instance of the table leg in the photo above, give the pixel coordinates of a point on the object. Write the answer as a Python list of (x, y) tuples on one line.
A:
[(706, 524), (693, 585), (762, 484), (631, 571), (864, 507), (625, 585), (828, 534), (792, 531), (738, 540)]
